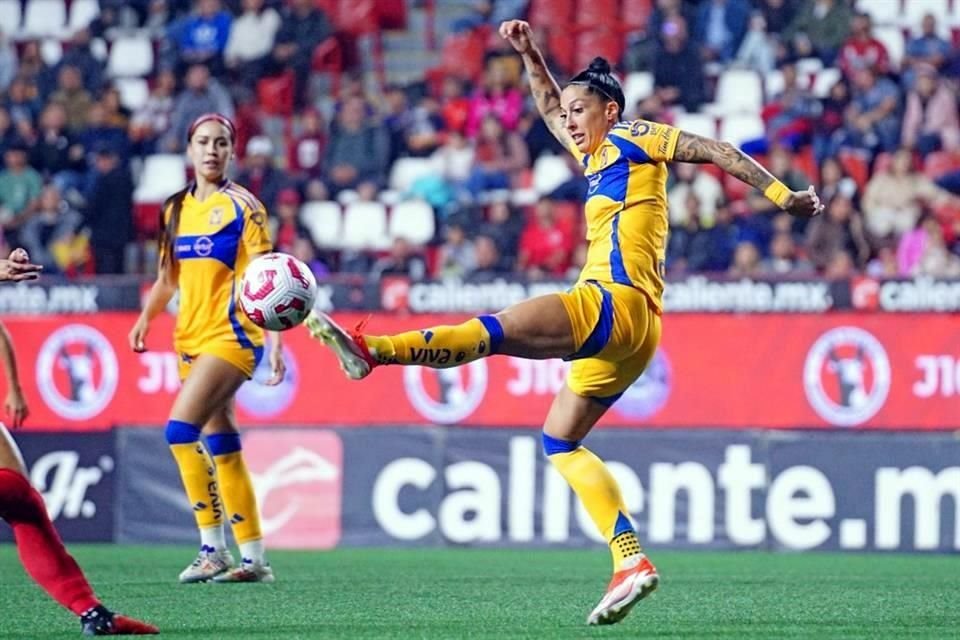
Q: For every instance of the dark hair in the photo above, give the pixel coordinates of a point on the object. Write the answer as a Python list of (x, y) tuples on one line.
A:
[(599, 80), (168, 227)]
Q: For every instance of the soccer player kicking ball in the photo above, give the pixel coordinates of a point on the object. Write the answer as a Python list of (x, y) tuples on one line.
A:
[(41, 550), (609, 323)]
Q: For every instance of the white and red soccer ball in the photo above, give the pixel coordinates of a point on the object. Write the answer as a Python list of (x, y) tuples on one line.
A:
[(277, 291)]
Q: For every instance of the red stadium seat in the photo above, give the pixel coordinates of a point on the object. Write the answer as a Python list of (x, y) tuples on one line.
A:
[(328, 58), (735, 189), (941, 162), (275, 94), (552, 14), (462, 54), (856, 166), (601, 41), (635, 14), (597, 13), (357, 16)]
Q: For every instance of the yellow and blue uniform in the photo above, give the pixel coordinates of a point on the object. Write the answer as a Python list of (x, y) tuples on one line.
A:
[(215, 241), (615, 306)]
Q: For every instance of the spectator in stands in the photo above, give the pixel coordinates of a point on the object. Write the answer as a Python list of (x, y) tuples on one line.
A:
[(154, 117), (303, 26), (396, 119), (504, 224), (114, 113), (872, 120), (489, 263), (7, 133), (840, 266), (884, 265), (499, 154), (73, 96), (425, 128), (894, 198), (683, 237), (78, 54), (202, 37), (691, 179), (720, 27), (457, 256), (109, 204), (454, 160), (712, 249), (252, 37), (54, 225), (758, 51), (57, 154), (304, 251), (288, 220), (746, 261), (34, 68), (778, 14), (678, 71), (828, 127), (783, 260), (819, 29), (923, 251), (545, 246), (496, 97), (201, 94), (20, 186), (790, 115), (305, 153), (926, 49), (403, 259), (861, 50), (835, 181), (260, 175), (358, 151), (840, 229), (454, 105), (8, 62), (931, 122), (23, 102), (99, 132)]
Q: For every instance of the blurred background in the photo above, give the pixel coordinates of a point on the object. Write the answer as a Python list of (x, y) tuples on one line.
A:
[(807, 387)]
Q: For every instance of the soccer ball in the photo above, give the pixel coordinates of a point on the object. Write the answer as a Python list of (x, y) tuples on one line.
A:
[(277, 291)]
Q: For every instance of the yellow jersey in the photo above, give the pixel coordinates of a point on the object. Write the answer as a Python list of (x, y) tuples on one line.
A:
[(626, 207), (215, 241)]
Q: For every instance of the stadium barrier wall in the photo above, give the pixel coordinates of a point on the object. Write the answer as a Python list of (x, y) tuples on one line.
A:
[(786, 371), (435, 486)]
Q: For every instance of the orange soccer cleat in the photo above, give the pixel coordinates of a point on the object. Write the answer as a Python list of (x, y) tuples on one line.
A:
[(349, 347), (631, 584)]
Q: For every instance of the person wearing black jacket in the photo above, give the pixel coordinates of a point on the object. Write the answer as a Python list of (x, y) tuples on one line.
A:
[(108, 214)]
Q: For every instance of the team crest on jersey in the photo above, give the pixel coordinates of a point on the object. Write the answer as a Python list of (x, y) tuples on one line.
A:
[(77, 372), (216, 217), (593, 183), (846, 376), (446, 396)]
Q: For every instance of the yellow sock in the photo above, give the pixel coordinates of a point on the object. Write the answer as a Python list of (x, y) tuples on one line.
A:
[(597, 489), (239, 498), (200, 482), (440, 347)]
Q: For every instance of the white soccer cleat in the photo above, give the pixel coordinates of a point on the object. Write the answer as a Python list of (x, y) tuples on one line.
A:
[(630, 585), (349, 347), (247, 572), (207, 566)]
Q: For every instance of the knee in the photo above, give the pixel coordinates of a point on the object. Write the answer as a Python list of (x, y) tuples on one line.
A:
[(17, 495), (552, 445), (179, 432)]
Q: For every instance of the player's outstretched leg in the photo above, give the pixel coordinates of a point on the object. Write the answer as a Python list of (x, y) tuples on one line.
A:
[(439, 347)]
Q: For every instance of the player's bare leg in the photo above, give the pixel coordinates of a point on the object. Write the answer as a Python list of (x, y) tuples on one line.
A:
[(570, 419)]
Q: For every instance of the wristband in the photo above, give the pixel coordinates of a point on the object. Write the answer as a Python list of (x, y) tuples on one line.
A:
[(778, 193)]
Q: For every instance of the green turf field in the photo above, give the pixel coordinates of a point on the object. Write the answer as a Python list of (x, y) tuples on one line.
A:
[(506, 594)]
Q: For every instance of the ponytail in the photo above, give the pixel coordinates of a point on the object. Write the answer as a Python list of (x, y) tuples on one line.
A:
[(168, 227)]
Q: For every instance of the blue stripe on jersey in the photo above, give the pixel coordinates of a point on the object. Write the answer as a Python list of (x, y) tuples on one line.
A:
[(629, 150), (237, 228), (618, 271), (611, 181), (602, 331), (221, 246)]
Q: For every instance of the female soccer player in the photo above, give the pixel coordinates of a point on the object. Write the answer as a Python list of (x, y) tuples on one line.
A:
[(41, 551), (609, 323), (211, 230)]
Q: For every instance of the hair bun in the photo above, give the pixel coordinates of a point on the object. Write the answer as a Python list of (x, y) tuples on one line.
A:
[(599, 65)]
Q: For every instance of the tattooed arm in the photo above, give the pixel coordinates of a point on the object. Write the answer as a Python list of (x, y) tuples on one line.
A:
[(700, 150), (545, 90)]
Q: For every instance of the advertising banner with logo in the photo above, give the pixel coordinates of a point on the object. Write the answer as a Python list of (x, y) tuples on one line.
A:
[(428, 486), (734, 371), (75, 474)]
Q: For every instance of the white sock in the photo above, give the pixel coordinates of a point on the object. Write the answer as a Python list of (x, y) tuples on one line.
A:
[(253, 551), (213, 537)]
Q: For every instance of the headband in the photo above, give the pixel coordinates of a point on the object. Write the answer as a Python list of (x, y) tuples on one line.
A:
[(215, 117), (596, 87)]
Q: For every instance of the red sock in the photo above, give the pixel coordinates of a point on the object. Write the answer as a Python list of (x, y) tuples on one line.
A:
[(38, 543)]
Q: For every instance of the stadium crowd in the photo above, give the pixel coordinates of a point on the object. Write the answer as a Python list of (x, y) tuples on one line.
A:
[(880, 140)]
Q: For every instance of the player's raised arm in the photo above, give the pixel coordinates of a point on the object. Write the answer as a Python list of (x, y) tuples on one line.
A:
[(700, 150), (545, 90)]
